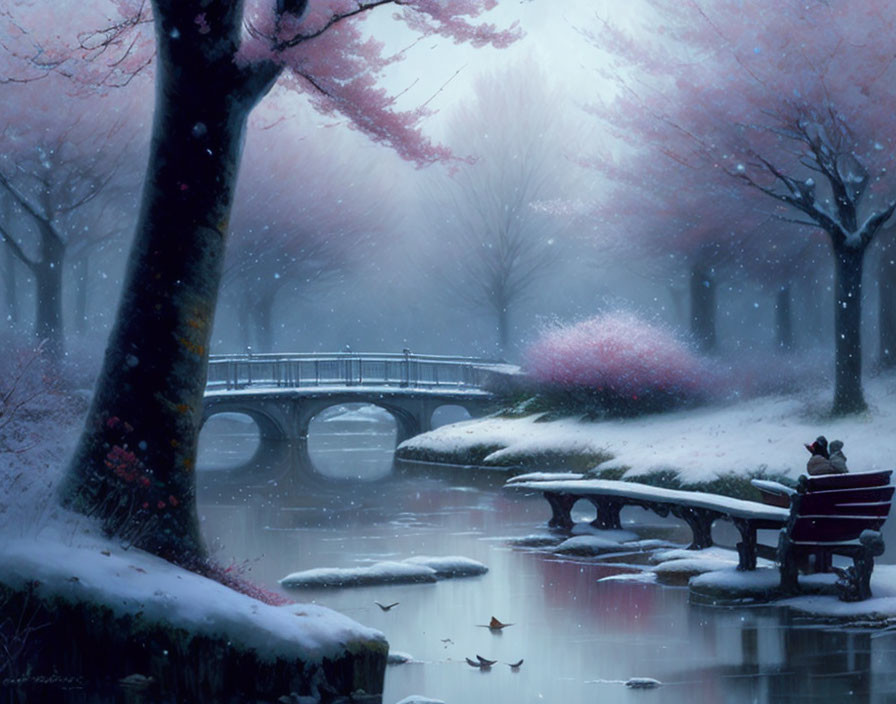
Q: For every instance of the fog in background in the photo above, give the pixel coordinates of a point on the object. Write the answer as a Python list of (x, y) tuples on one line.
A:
[(393, 284)]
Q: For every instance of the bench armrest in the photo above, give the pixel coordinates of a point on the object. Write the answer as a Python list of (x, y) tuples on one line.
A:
[(773, 493), (772, 487)]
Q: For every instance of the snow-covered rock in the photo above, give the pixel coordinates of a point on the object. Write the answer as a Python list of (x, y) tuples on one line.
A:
[(643, 683), (534, 541), (396, 657), (588, 545), (450, 566), (379, 573), (420, 568)]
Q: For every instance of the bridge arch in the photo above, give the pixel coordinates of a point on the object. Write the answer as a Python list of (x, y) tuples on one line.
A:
[(271, 426), (406, 420), (282, 393)]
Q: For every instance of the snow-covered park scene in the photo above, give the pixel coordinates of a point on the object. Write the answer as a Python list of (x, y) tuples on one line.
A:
[(447, 351)]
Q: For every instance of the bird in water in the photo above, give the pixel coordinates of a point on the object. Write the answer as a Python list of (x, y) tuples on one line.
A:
[(515, 665), (485, 663), (495, 625), (386, 607)]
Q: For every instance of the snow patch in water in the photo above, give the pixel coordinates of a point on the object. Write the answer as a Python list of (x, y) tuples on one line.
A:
[(412, 570)]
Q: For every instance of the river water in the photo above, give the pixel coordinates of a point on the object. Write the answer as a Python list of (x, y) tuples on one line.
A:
[(581, 639)]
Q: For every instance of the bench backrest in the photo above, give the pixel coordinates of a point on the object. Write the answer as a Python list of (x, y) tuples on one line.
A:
[(838, 507)]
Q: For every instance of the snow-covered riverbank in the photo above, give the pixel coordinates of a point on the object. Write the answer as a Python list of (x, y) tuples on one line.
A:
[(756, 435)]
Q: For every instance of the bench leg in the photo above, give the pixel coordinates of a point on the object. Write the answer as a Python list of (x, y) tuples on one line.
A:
[(788, 566), (561, 506), (607, 513), (746, 548), (700, 522), (854, 583)]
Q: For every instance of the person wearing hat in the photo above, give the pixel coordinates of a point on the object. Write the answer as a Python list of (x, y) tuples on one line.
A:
[(836, 457), (819, 462)]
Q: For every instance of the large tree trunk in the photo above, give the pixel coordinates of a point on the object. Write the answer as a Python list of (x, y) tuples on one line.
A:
[(886, 302), (848, 395), (703, 308), (9, 287), (784, 318), (134, 465)]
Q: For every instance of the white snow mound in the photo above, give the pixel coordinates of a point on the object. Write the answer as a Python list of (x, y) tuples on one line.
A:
[(450, 566), (379, 573), (128, 582)]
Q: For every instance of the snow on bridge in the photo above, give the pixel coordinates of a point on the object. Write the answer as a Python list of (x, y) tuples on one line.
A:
[(283, 392)]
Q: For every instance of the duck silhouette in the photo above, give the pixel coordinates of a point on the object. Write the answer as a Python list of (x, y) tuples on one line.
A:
[(494, 625)]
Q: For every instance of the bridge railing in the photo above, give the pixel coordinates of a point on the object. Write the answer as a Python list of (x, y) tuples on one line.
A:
[(236, 371)]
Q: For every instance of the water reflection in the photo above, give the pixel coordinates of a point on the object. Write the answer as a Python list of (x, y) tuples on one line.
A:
[(228, 441), (580, 638), (352, 441)]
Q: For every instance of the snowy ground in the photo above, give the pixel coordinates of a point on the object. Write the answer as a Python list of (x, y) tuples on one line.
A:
[(68, 557), (79, 568), (762, 434), (748, 436)]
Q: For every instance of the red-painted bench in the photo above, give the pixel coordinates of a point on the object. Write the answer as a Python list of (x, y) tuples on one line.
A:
[(698, 509), (836, 514)]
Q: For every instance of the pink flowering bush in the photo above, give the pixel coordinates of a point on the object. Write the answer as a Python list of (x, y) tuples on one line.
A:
[(617, 363)]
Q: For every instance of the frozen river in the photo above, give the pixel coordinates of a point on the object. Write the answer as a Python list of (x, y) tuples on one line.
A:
[(580, 638)]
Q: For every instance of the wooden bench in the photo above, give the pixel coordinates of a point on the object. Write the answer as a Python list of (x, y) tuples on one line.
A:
[(836, 514), (698, 509)]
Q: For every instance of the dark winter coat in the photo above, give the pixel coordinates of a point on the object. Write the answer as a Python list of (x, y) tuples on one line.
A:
[(837, 458), (818, 464)]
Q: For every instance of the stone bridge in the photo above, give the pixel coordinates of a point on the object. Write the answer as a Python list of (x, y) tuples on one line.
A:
[(282, 393)]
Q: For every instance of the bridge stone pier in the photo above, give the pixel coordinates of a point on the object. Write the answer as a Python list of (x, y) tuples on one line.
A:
[(283, 393)]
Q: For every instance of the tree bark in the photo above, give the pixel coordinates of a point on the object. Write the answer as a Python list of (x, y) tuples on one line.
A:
[(48, 279), (703, 308), (263, 321), (784, 318), (134, 464), (848, 395), (81, 270), (9, 288), (243, 322), (503, 331), (886, 304)]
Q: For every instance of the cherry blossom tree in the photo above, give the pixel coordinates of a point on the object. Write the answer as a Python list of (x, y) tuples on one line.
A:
[(620, 363), (213, 62), (673, 231), (497, 245), (791, 99)]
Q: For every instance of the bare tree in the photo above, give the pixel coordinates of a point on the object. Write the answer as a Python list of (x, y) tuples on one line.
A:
[(287, 241), (495, 243), (52, 168)]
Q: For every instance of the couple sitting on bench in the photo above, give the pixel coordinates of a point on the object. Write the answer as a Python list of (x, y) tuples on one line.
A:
[(825, 459), (835, 515)]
